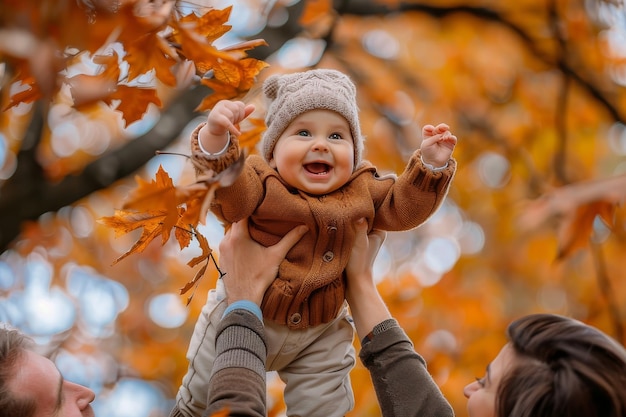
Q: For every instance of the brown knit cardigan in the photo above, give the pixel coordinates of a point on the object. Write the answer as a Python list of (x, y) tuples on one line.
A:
[(310, 287)]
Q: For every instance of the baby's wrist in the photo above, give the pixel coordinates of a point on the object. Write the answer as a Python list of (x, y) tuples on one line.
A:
[(206, 152), (433, 167)]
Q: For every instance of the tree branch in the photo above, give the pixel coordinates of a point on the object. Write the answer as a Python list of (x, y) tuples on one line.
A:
[(28, 195)]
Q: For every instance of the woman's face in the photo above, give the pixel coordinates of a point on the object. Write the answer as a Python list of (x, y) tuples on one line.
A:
[(481, 394)]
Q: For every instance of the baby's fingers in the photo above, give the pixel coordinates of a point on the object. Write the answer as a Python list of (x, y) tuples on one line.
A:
[(428, 130), (442, 128), (448, 140)]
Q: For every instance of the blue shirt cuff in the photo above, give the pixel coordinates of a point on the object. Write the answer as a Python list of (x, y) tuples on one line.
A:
[(245, 305)]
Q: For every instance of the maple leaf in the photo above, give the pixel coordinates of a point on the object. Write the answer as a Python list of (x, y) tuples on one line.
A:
[(250, 137), (134, 101), (88, 89), (206, 251), (204, 188), (158, 195), (193, 198), (155, 40), (126, 221), (155, 207), (239, 49), (151, 52), (212, 25), (577, 227), (230, 81), (29, 95), (137, 21), (203, 257), (576, 206), (158, 206), (197, 48)]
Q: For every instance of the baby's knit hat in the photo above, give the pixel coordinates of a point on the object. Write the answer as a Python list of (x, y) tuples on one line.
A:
[(290, 95)]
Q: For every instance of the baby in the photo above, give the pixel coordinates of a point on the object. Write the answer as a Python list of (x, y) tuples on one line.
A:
[(310, 172)]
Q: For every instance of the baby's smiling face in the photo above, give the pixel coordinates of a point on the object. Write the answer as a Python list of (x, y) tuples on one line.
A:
[(315, 153)]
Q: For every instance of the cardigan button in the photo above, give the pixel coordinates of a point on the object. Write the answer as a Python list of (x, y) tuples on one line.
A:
[(328, 256), (295, 318)]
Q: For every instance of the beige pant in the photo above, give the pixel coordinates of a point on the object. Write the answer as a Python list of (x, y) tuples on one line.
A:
[(314, 363)]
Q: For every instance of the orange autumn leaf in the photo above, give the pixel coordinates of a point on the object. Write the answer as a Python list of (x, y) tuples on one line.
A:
[(189, 218), (250, 137), (158, 206), (157, 195), (88, 89), (29, 95), (577, 229), (212, 25), (146, 50), (206, 251), (197, 48), (240, 48), (230, 80), (155, 41), (125, 221), (151, 53), (152, 206), (24, 95), (203, 257), (576, 206), (136, 23), (134, 101)]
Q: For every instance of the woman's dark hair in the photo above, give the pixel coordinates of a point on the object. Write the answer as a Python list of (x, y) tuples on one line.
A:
[(562, 368)]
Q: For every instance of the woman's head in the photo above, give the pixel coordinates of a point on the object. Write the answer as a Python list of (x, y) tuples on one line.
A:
[(553, 366)]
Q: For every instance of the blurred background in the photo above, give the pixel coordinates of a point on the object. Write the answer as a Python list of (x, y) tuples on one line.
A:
[(534, 221)]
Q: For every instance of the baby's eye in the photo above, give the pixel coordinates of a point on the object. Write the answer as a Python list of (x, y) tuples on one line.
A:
[(304, 133), (481, 382), (335, 136)]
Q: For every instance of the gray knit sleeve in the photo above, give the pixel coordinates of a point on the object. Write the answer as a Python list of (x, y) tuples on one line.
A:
[(238, 345), (402, 383), (238, 382)]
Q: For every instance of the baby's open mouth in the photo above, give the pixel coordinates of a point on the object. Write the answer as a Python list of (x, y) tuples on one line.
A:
[(317, 168)]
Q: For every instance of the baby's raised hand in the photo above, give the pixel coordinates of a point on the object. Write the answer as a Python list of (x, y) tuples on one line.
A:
[(223, 118), (226, 115), (437, 144)]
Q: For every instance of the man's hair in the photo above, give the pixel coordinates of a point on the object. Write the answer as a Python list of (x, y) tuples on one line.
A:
[(13, 346), (562, 368)]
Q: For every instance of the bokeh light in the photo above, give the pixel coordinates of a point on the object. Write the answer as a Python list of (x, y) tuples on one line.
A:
[(131, 398), (300, 53), (381, 44), (167, 310)]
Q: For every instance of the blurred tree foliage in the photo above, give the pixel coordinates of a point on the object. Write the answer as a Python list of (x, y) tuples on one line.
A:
[(534, 90)]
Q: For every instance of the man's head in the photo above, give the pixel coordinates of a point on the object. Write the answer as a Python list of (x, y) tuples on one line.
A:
[(32, 386), (291, 95), (13, 349)]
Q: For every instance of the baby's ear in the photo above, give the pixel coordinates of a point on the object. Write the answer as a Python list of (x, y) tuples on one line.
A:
[(272, 163)]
